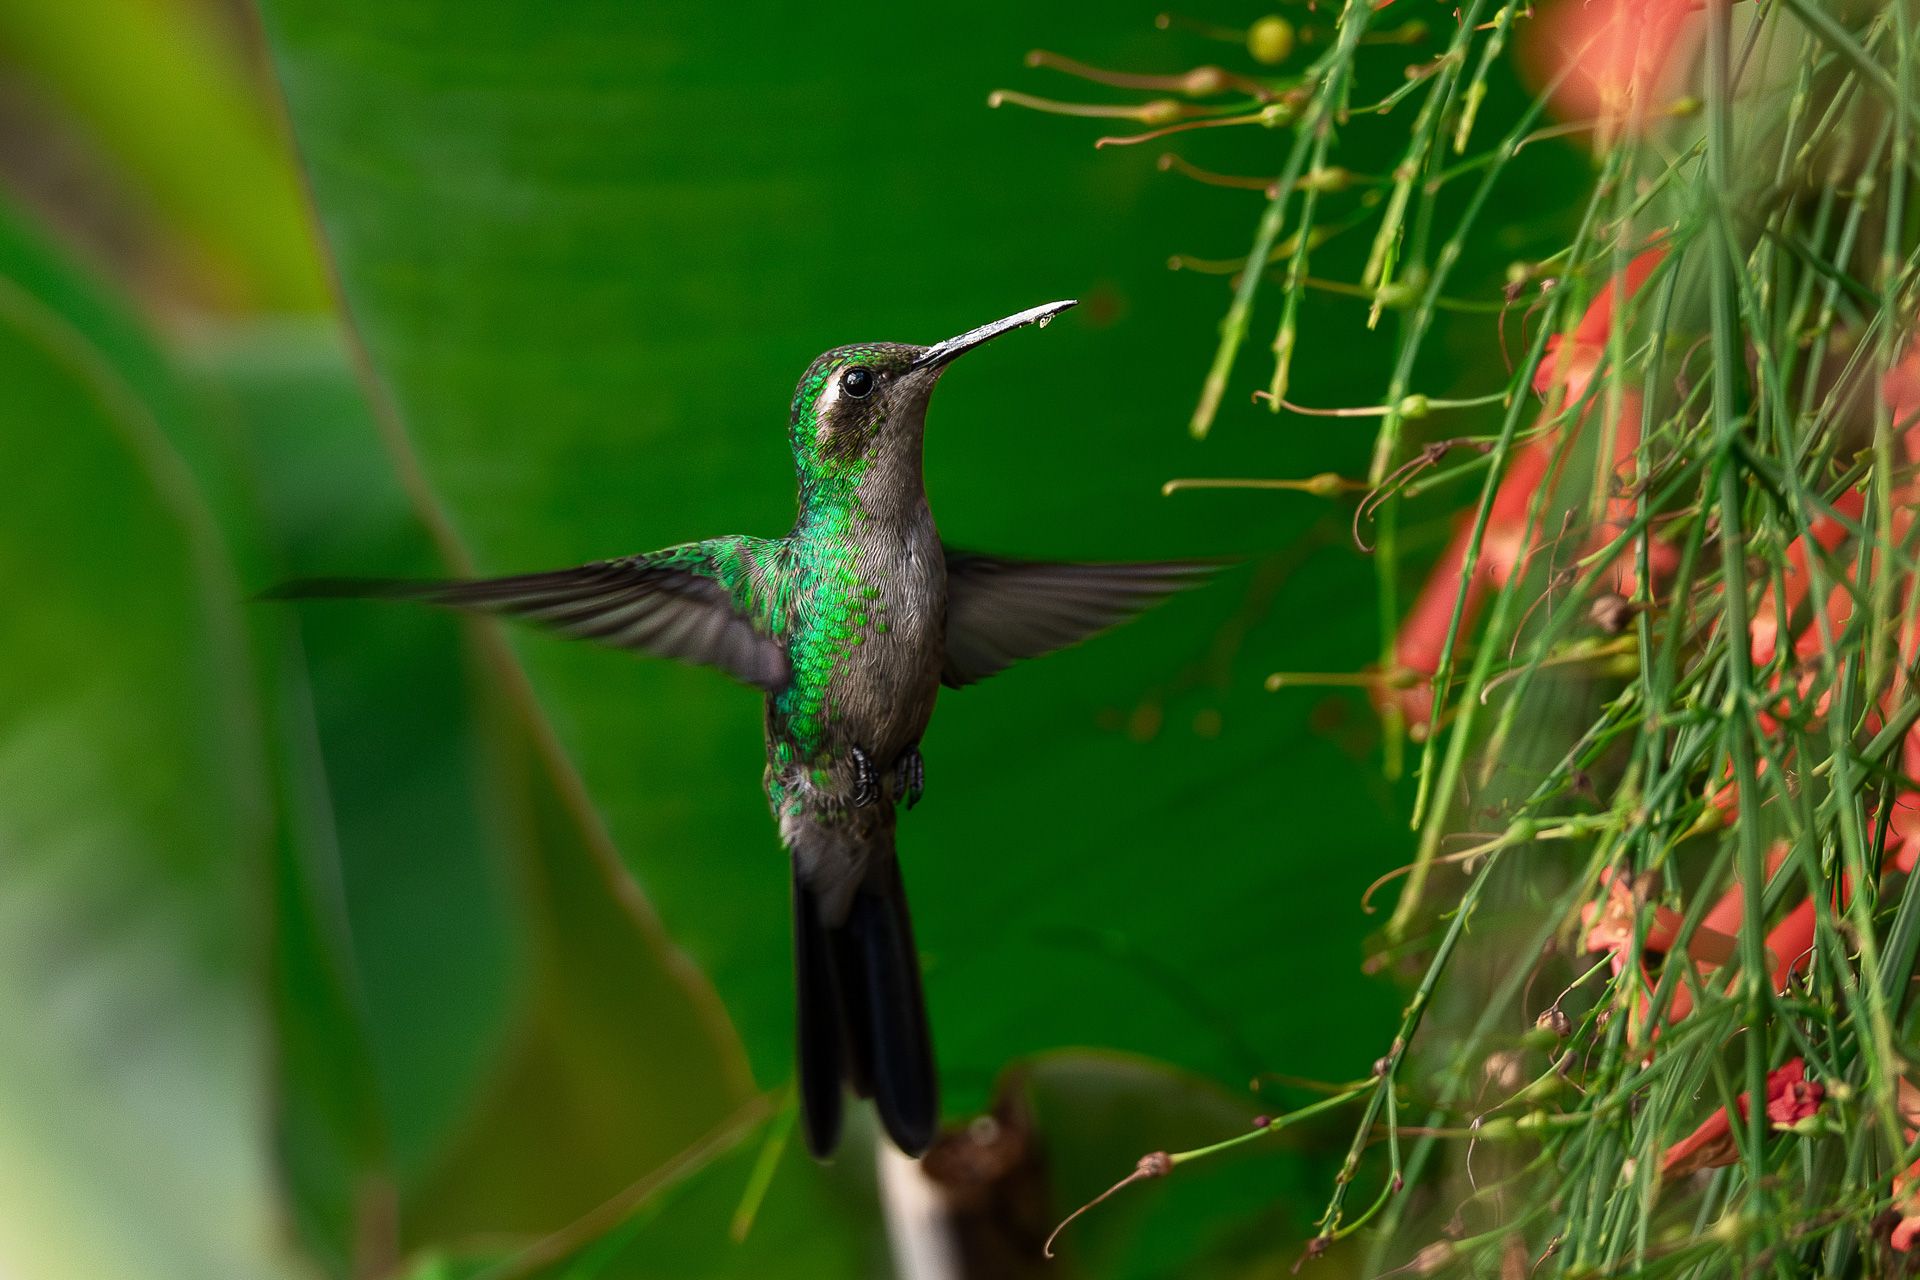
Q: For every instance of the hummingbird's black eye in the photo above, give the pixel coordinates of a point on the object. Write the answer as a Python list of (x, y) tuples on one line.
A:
[(857, 382)]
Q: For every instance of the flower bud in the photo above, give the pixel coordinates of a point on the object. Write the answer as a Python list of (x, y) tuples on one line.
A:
[(1270, 40), (1204, 82), (1611, 613), (1332, 178)]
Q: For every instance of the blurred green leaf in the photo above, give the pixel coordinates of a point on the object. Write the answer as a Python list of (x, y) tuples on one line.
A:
[(516, 996), (167, 91), (463, 978), (134, 817)]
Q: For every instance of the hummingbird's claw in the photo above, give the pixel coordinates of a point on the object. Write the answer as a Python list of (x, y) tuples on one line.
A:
[(866, 780), (910, 777)]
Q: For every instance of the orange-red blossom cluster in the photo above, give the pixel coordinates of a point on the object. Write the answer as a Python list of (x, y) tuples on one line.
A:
[(1507, 541), (1788, 943), (1618, 66), (1616, 62), (1562, 379)]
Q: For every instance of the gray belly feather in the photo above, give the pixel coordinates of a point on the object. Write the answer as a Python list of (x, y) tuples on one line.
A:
[(882, 688), (888, 684)]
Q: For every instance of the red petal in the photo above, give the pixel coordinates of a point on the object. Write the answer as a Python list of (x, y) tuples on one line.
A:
[(1790, 1097), (1708, 1147)]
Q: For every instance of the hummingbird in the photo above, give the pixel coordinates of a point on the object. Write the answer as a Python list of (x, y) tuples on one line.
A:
[(850, 625)]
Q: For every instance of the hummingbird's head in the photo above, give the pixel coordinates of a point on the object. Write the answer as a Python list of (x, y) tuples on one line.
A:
[(863, 408)]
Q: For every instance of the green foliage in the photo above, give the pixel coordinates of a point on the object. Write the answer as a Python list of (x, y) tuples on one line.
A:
[(184, 136), (133, 819), (488, 945), (1678, 741)]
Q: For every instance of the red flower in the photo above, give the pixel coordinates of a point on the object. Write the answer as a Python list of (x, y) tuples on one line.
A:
[(1901, 390), (1503, 548), (1791, 1097), (1610, 922), (1907, 1230), (1571, 358), (1623, 60), (1828, 532), (1906, 1183), (1903, 823), (1731, 909), (1562, 378), (1610, 925)]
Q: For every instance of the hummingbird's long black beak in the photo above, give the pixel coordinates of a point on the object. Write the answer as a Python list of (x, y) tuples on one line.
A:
[(941, 352)]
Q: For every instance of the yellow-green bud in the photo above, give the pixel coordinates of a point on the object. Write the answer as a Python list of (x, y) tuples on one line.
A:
[(1270, 40), (1332, 178), (1498, 1129)]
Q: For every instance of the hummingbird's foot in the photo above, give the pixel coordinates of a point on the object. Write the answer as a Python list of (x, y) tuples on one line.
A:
[(866, 779), (910, 777)]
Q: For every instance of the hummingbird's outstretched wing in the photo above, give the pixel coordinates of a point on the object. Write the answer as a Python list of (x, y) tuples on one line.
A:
[(1000, 611), (699, 603)]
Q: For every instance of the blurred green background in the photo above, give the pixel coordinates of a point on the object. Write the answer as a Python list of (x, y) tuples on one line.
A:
[(347, 941)]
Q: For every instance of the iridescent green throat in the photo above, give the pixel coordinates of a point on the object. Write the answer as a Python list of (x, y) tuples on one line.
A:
[(833, 603)]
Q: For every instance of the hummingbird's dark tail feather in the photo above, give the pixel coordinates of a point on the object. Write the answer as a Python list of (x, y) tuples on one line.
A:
[(822, 1060), (897, 1062), (862, 1017)]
